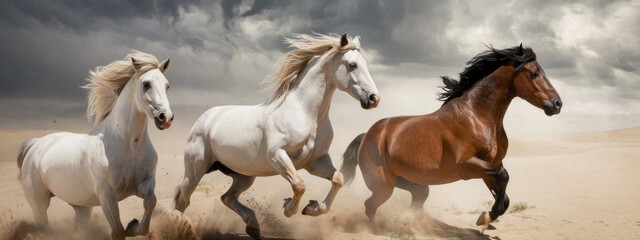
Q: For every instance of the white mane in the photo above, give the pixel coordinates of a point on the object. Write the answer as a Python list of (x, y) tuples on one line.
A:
[(106, 83), (296, 60)]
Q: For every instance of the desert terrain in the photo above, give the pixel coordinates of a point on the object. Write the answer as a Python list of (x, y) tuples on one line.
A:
[(581, 185)]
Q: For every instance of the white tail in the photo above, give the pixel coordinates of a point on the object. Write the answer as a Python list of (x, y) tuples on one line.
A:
[(24, 148), (350, 159)]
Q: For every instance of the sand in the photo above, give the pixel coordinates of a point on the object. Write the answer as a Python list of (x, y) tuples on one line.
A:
[(565, 186)]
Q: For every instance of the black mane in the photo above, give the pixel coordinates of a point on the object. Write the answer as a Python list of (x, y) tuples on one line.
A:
[(481, 66)]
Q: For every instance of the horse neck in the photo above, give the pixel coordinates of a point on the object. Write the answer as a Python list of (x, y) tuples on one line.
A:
[(124, 122), (490, 97), (314, 90)]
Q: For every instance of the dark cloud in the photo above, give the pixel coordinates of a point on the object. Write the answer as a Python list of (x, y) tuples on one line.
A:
[(229, 46), (87, 15)]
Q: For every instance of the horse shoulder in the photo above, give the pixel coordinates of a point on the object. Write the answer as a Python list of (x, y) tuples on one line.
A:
[(466, 137), (304, 139), (289, 129), (97, 155)]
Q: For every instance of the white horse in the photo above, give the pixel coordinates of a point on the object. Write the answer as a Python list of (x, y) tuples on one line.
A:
[(291, 131), (115, 159)]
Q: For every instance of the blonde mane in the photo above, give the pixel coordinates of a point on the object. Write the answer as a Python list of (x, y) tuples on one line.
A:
[(296, 60), (106, 83)]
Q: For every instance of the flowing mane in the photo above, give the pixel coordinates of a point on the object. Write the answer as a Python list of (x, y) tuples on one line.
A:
[(481, 66), (106, 83), (296, 60)]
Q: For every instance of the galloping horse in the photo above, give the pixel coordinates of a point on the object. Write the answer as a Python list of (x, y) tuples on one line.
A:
[(290, 131), (115, 159), (464, 139)]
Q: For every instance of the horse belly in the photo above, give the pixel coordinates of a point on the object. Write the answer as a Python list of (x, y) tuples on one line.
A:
[(434, 177), (242, 152), (433, 173), (250, 167), (65, 171), (248, 159)]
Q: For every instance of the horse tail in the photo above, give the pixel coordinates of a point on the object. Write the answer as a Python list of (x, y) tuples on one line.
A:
[(24, 148), (350, 159)]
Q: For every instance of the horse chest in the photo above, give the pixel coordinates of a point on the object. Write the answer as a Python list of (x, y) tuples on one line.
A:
[(307, 151), (490, 151), (131, 172), (310, 148), (490, 142)]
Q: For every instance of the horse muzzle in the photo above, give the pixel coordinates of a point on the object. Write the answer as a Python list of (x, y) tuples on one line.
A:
[(370, 103), (162, 121), (552, 107)]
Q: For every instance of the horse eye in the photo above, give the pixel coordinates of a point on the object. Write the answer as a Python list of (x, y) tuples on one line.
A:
[(353, 65), (146, 85), (534, 74)]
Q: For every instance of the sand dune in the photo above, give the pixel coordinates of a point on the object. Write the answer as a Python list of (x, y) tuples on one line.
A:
[(566, 186)]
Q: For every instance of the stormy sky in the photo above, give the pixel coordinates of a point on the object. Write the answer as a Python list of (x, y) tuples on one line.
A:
[(221, 50)]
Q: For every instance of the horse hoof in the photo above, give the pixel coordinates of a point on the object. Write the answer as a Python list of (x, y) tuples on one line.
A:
[(130, 230), (286, 201), (312, 209), (484, 220), (253, 232), (289, 210)]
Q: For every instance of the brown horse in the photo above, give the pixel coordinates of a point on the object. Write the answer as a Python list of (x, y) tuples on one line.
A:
[(464, 139)]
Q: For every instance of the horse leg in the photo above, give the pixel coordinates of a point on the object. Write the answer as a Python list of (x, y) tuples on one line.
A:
[(39, 204), (82, 215), (499, 192), (419, 193), (283, 165), (146, 192), (476, 167), (378, 197), (38, 197), (195, 167), (323, 167), (109, 204), (379, 181), (381, 190), (230, 199)]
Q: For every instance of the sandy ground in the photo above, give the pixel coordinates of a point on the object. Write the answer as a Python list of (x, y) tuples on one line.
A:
[(574, 186)]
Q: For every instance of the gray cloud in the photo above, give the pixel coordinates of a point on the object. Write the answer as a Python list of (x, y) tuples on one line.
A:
[(222, 49), (86, 15)]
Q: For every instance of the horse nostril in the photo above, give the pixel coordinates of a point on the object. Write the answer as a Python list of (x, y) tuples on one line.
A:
[(558, 103), (161, 116), (374, 98), (172, 117)]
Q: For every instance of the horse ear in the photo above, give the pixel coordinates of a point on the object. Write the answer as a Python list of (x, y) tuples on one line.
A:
[(520, 50), (343, 40), (164, 65), (136, 64)]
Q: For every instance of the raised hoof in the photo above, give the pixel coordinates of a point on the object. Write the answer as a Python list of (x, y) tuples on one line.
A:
[(312, 209), (253, 232), (288, 212), (130, 230), (484, 220), (286, 201)]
